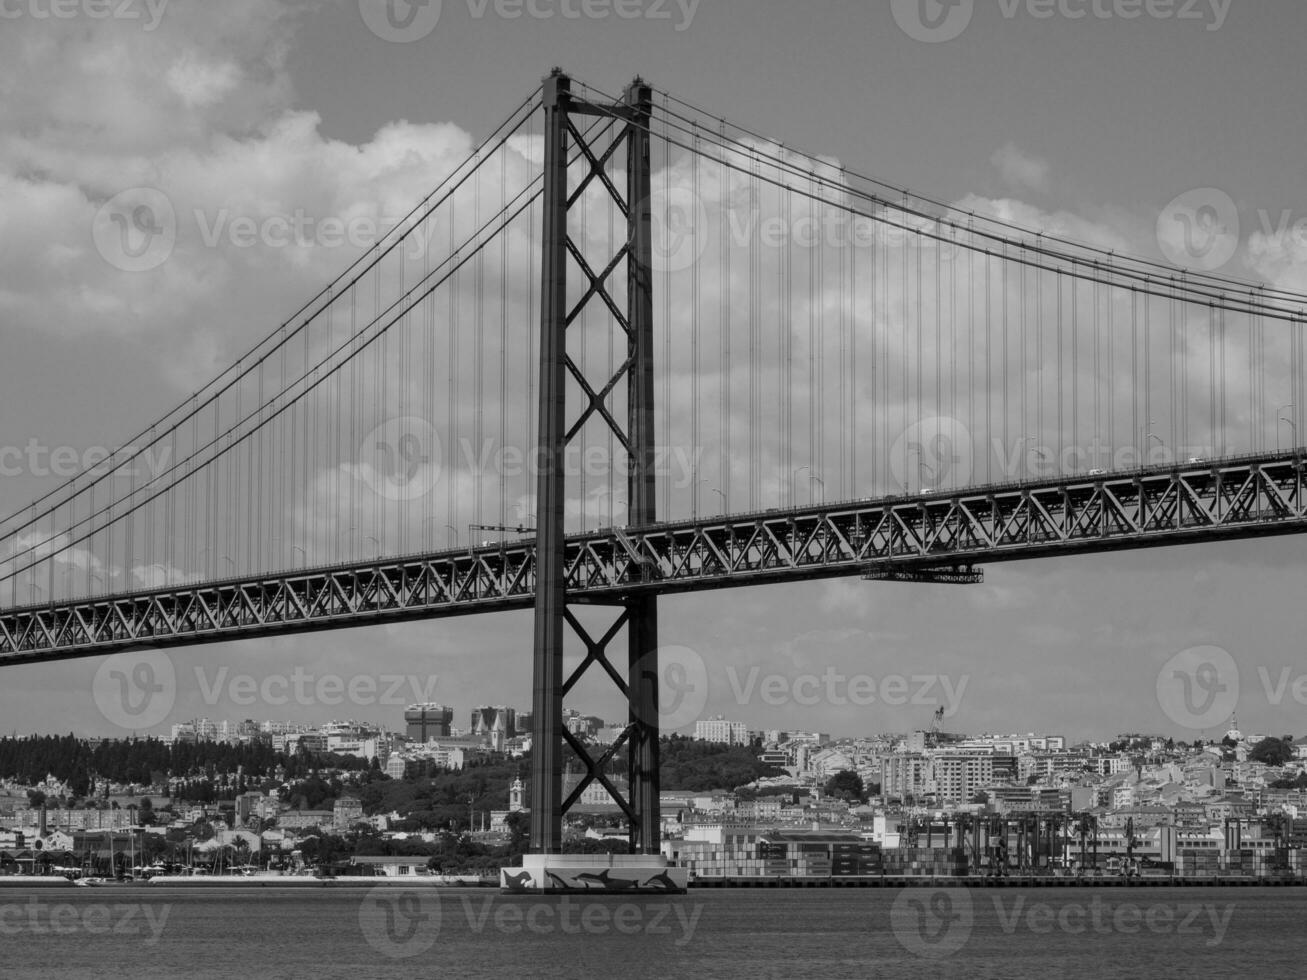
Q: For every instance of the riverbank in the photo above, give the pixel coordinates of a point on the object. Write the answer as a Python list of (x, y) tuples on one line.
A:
[(1011, 881)]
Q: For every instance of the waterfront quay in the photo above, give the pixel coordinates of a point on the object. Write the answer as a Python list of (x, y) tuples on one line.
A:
[(1013, 881)]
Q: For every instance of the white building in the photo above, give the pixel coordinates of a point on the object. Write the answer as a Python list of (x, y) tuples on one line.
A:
[(721, 731)]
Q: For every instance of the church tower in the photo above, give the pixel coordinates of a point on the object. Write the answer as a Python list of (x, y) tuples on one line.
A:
[(516, 803)]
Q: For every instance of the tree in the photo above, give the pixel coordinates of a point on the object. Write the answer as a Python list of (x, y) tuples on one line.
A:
[(519, 831), (1272, 751), (846, 785)]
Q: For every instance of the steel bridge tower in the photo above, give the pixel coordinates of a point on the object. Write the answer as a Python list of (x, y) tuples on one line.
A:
[(635, 436)]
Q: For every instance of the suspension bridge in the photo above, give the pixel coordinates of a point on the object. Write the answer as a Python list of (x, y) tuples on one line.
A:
[(627, 348)]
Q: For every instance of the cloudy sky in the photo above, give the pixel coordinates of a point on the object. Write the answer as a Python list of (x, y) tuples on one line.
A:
[(1091, 118)]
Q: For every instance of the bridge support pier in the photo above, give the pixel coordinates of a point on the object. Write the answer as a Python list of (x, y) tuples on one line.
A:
[(643, 869)]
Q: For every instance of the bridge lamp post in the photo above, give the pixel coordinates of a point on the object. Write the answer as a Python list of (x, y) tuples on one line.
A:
[(1034, 452), (1160, 441), (821, 483), (922, 465), (1293, 425), (1145, 433), (723, 496), (372, 538), (293, 548), (304, 555), (450, 527)]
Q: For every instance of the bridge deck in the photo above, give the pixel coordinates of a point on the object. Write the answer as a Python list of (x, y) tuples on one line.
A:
[(1165, 505)]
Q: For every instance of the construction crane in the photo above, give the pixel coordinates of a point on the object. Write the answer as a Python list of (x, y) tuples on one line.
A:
[(933, 735)]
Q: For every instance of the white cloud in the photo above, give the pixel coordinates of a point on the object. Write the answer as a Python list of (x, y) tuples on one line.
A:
[(1019, 169), (201, 83)]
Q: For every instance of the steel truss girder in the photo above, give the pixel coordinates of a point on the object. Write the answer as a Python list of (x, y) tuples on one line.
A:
[(1241, 498)]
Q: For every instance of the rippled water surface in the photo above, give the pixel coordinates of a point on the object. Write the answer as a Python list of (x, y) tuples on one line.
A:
[(141, 933)]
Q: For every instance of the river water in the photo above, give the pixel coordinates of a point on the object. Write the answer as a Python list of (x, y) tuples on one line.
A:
[(141, 932)]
